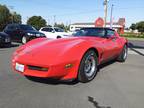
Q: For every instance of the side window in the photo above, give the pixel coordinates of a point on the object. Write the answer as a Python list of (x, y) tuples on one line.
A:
[(11, 27), (50, 29), (44, 29), (110, 33), (47, 29), (6, 28), (17, 27)]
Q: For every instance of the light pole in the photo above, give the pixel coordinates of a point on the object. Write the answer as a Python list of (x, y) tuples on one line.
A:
[(54, 20), (12, 8), (48, 21), (111, 18), (105, 11)]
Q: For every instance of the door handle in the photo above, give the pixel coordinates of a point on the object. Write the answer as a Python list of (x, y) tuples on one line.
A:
[(114, 39)]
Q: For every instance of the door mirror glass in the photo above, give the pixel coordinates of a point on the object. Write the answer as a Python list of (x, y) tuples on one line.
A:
[(112, 37), (53, 31)]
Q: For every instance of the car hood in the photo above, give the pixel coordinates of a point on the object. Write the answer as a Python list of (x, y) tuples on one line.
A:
[(49, 51)]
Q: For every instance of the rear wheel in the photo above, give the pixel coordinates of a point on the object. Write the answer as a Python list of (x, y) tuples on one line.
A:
[(58, 37), (88, 67), (123, 55)]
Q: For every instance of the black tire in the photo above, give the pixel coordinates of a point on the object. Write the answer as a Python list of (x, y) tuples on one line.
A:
[(123, 55), (24, 40), (89, 61), (59, 37), (9, 45)]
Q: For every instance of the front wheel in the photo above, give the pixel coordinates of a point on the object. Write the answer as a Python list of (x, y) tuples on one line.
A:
[(123, 55), (88, 67), (24, 40)]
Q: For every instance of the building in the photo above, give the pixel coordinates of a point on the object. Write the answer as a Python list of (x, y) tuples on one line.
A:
[(118, 26)]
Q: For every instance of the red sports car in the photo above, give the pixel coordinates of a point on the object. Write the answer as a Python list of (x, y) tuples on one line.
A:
[(77, 57)]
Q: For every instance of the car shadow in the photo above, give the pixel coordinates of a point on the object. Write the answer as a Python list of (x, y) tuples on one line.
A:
[(131, 45), (106, 64), (52, 81), (10, 46), (95, 103), (135, 47)]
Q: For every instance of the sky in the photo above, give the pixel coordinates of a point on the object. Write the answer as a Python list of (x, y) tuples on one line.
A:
[(77, 11)]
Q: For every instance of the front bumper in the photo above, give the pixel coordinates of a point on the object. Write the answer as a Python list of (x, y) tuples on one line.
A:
[(5, 40), (57, 71)]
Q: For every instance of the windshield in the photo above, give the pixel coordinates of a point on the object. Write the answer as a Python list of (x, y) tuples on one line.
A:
[(59, 30), (27, 27), (97, 32)]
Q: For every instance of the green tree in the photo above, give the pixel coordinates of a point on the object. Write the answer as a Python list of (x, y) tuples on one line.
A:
[(67, 28), (37, 22), (133, 26), (16, 18), (140, 26), (4, 16), (62, 26)]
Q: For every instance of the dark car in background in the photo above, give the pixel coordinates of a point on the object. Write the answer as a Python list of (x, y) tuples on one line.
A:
[(4, 39), (22, 33)]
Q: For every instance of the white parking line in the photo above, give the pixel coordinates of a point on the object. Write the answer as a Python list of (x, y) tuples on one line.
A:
[(135, 51)]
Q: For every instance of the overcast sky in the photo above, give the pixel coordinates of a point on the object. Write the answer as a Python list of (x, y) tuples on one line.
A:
[(73, 11)]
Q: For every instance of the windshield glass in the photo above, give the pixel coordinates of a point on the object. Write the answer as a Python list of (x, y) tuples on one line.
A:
[(59, 30), (97, 32), (27, 27)]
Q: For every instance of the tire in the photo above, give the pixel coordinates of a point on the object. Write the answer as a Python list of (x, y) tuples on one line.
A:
[(59, 37), (9, 45), (24, 40), (123, 55), (88, 67)]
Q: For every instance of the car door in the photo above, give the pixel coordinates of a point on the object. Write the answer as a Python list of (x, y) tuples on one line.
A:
[(52, 33), (110, 45), (18, 33), (9, 30), (48, 32)]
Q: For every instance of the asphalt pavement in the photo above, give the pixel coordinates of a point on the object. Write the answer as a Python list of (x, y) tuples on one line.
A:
[(117, 85)]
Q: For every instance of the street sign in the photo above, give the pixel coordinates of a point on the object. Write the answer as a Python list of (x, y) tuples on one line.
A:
[(99, 22)]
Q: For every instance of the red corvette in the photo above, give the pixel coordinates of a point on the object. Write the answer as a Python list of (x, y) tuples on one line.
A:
[(76, 57)]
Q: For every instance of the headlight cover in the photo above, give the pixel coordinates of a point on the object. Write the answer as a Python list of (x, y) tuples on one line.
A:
[(38, 35), (30, 34)]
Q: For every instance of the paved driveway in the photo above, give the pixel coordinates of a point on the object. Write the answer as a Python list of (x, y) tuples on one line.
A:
[(117, 85)]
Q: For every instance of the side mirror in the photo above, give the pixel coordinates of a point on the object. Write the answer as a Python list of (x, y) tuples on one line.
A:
[(113, 37), (53, 31), (17, 29)]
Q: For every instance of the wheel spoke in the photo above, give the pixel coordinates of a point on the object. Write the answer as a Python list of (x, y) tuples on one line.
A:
[(90, 65)]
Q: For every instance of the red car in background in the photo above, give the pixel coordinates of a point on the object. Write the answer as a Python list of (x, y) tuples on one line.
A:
[(77, 57)]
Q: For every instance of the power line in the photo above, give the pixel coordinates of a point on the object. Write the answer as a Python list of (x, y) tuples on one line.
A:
[(94, 11), (130, 8), (111, 17)]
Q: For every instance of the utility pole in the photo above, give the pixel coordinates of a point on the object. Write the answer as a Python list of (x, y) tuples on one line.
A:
[(111, 18), (48, 21), (54, 20), (105, 11), (12, 8)]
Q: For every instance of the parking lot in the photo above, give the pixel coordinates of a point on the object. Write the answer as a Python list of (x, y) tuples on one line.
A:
[(117, 85)]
